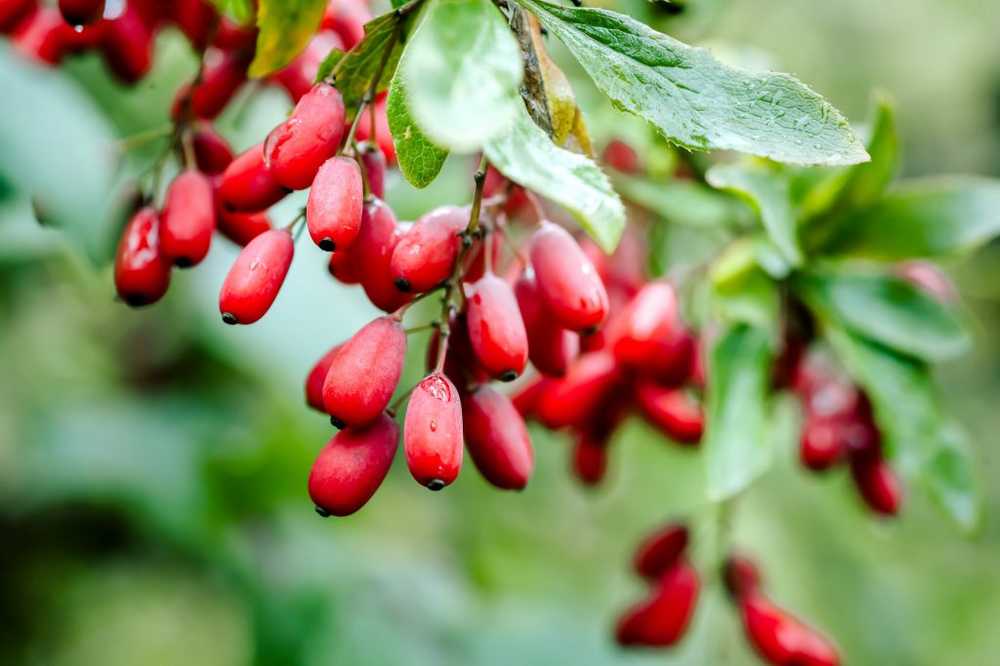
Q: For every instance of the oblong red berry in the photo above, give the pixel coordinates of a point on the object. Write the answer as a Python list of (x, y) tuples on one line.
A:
[(460, 364), (42, 35), (649, 319), (573, 399), (620, 156), (352, 466), (373, 250), (741, 576), (345, 267), (425, 255), (877, 482), (195, 18), (673, 411), (299, 76), (496, 330), (212, 153), (364, 373), (256, 276), (374, 162), (382, 135), (241, 228), (333, 209), (188, 219), (247, 184), (232, 36), (497, 439), (142, 275), (551, 348), (295, 149), (223, 75), (13, 12), (781, 639), (662, 620), (661, 550), (432, 432), (526, 398), (821, 445), (81, 12), (568, 282), (589, 459), (317, 377), (347, 18), (127, 45)]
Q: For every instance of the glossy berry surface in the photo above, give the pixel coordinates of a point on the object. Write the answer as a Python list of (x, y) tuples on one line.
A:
[(425, 255), (663, 618), (782, 640), (255, 278), (334, 206), (661, 551), (81, 12), (247, 184), (188, 219), (432, 432), (372, 250), (551, 348), (673, 411), (497, 438), (567, 280), (142, 275), (495, 328), (295, 149), (317, 377)]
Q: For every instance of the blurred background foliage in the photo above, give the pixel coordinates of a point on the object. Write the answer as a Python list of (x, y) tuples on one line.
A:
[(153, 462)]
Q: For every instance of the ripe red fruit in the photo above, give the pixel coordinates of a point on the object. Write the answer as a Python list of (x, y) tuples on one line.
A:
[(567, 280), (621, 157), (661, 620), (231, 36), (42, 36), (352, 466), (497, 439), (460, 365), (782, 640), (382, 135), (343, 266), (661, 551), (877, 483), (432, 433), (212, 153), (364, 373), (373, 250), (590, 458), (317, 377), (241, 228), (650, 319), (223, 75), (127, 45), (527, 397), (247, 183), (333, 210), (195, 18), (142, 275), (13, 12), (673, 411), (256, 277), (551, 348), (299, 76), (740, 576), (375, 166), (495, 328), (821, 445), (188, 219), (295, 149), (425, 255), (81, 12), (574, 398), (347, 18)]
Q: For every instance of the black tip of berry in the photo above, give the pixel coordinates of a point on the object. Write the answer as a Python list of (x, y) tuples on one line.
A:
[(327, 244), (403, 284), (230, 318), (508, 376), (590, 330), (337, 423), (435, 484), (183, 262), (323, 513)]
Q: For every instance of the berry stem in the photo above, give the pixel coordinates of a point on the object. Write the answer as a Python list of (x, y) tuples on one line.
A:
[(140, 139), (536, 206)]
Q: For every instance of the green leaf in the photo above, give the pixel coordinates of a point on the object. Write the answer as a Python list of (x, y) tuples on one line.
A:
[(924, 444), (929, 217), (462, 70), (889, 310), (286, 26), (696, 101), (685, 202), (767, 191), (419, 159), (527, 156), (50, 130), (240, 11), (737, 447), (742, 292)]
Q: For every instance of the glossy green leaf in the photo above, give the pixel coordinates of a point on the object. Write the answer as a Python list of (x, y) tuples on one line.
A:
[(888, 310), (768, 192), (737, 448), (684, 202), (240, 11), (419, 159), (462, 71), (526, 155), (696, 101), (929, 217), (286, 26)]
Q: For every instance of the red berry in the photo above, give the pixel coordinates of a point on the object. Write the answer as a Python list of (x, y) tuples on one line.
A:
[(195, 18), (822, 443), (425, 256), (432, 433), (662, 620), (188, 219), (316, 378), (621, 157), (495, 328), (231, 36), (661, 551), (650, 319), (333, 210), (212, 153), (223, 75), (574, 399), (382, 136), (298, 147), (42, 36), (497, 438), (782, 640), (673, 411), (551, 348), (352, 466), (373, 250), (241, 228), (460, 365), (142, 275), (347, 18), (375, 166), (81, 12), (877, 483), (364, 373), (256, 277), (299, 76), (590, 458), (740, 576), (127, 44), (13, 12), (247, 184), (568, 282), (344, 266), (527, 397)]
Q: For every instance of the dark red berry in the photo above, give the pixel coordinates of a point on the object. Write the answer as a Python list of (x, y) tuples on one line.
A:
[(212, 153), (432, 433), (821, 445), (247, 184), (673, 411), (345, 267), (42, 36), (567, 280), (13, 12), (223, 75), (188, 219), (298, 147), (460, 365), (621, 157), (425, 255), (373, 250), (496, 330), (196, 19), (551, 348), (256, 277), (662, 620), (127, 44), (142, 275), (661, 551), (877, 483), (299, 76), (364, 373), (497, 438), (374, 162), (81, 12), (231, 36), (527, 397), (573, 399), (241, 228), (317, 378), (782, 640), (590, 458), (650, 319), (741, 576), (352, 466), (333, 210), (347, 18), (382, 136)]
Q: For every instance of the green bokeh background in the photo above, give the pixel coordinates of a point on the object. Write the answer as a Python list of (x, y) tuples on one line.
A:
[(153, 462)]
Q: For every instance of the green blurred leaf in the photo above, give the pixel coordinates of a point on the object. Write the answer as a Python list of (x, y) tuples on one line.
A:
[(465, 69), (240, 11), (742, 292), (768, 192), (930, 217), (736, 438), (419, 159), (889, 310), (685, 202), (527, 156), (286, 26), (50, 130), (693, 99)]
